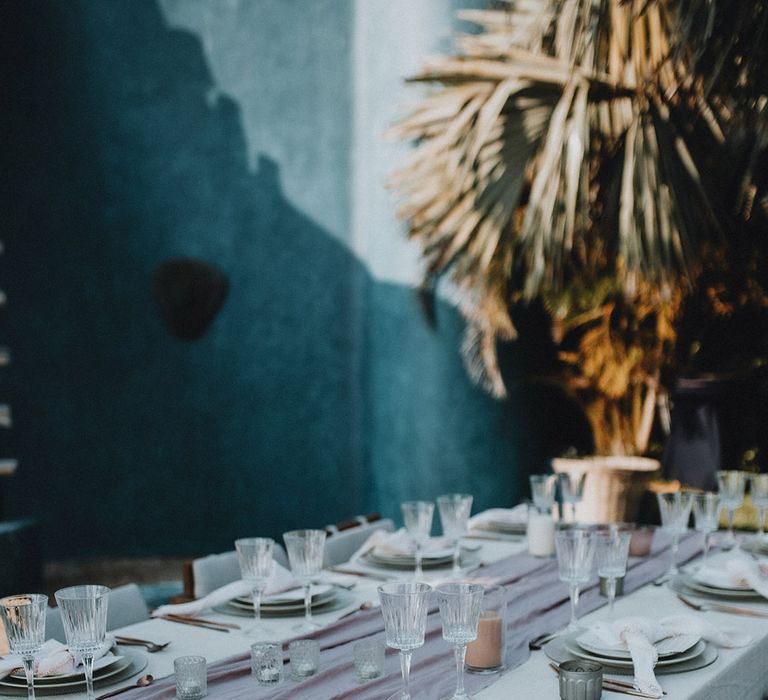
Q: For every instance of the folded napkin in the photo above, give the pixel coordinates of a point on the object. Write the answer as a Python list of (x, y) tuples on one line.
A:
[(53, 659), (509, 516), (280, 581), (738, 571), (400, 544), (640, 634)]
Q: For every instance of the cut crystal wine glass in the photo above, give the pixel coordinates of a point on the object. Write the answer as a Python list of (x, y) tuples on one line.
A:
[(305, 554), (254, 554), (675, 510), (417, 516), (454, 515), (731, 484), (575, 555), (706, 518), (612, 554), (24, 622)]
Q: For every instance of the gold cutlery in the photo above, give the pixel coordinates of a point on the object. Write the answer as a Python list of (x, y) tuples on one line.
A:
[(195, 623), (151, 647), (719, 607), (363, 574), (192, 618)]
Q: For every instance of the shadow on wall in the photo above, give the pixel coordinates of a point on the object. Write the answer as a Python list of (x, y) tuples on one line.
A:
[(317, 392)]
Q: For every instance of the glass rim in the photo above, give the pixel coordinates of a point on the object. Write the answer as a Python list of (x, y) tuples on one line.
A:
[(82, 592), (411, 504), (457, 588), (297, 643), (303, 532), (253, 540), (32, 599), (452, 497), (190, 659), (416, 588), (574, 533), (266, 646)]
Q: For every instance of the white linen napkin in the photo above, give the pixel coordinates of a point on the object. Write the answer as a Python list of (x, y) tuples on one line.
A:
[(281, 580), (53, 659), (400, 544), (640, 634), (509, 516), (738, 571)]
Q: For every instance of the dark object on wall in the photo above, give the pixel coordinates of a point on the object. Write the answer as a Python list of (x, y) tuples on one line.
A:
[(189, 294)]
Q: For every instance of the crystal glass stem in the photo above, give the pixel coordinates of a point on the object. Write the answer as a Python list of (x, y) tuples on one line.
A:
[(29, 672), (707, 537), (610, 589), (88, 665), (308, 604), (573, 512), (457, 557), (731, 534), (460, 652), (405, 668), (256, 596), (574, 602), (419, 573), (761, 522), (673, 562)]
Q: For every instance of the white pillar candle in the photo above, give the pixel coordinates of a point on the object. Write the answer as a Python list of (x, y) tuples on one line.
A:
[(541, 534)]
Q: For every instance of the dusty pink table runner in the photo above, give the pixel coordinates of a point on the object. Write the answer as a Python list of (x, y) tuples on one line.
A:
[(538, 602)]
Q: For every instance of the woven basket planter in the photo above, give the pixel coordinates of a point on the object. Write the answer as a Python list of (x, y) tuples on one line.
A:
[(613, 487)]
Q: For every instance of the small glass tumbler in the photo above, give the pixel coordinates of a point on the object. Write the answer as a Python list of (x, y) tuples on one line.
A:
[(580, 680), (267, 663), (305, 658), (369, 659), (191, 677), (486, 654)]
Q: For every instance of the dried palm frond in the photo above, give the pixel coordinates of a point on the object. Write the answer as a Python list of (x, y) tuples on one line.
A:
[(576, 138)]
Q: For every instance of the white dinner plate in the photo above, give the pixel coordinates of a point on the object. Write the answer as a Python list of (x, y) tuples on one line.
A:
[(103, 663), (318, 600), (132, 662), (719, 579), (339, 600), (556, 651), (294, 595), (573, 647), (670, 646), (685, 583)]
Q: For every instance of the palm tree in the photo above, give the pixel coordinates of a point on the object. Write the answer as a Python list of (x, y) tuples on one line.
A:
[(596, 155)]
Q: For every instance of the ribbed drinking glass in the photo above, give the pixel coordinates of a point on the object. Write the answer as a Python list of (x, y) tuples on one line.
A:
[(543, 488), (460, 605), (706, 518), (404, 607), (575, 556), (454, 515), (572, 489), (254, 555), (675, 510), (731, 484), (24, 621), (84, 617), (417, 516), (758, 487), (305, 553), (612, 554)]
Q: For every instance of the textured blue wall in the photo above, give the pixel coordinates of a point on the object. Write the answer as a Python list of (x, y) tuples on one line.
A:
[(318, 392)]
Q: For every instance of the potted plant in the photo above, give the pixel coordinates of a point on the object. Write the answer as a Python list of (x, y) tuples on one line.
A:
[(607, 160)]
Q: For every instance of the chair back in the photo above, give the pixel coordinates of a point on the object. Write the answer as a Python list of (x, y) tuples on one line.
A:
[(217, 570), (340, 546)]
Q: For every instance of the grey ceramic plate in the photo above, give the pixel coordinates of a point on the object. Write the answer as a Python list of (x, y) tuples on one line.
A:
[(137, 662), (556, 651), (340, 599), (572, 646), (685, 584)]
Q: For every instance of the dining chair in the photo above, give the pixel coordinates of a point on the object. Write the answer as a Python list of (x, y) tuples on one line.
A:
[(342, 544), (216, 570), (126, 606)]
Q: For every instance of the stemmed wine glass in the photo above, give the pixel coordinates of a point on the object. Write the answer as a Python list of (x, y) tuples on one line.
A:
[(305, 553), (84, 617), (254, 554), (454, 515), (612, 554), (575, 554), (417, 516), (404, 607), (572, 489), (460, 605), (543, 491), (758, 486), (675, 509), (24, 621), (706, 518), (730, 485)]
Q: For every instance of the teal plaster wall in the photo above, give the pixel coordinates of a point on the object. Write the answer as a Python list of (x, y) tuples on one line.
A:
[(318, 393)]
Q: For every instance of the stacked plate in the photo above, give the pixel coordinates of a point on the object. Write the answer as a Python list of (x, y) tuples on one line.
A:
[(115, 667), (756, 546), (713, 583), (677, 654), (504, 528), (325, 598)]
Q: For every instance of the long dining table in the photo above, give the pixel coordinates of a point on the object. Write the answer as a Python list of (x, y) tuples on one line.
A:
[(739, 673)]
